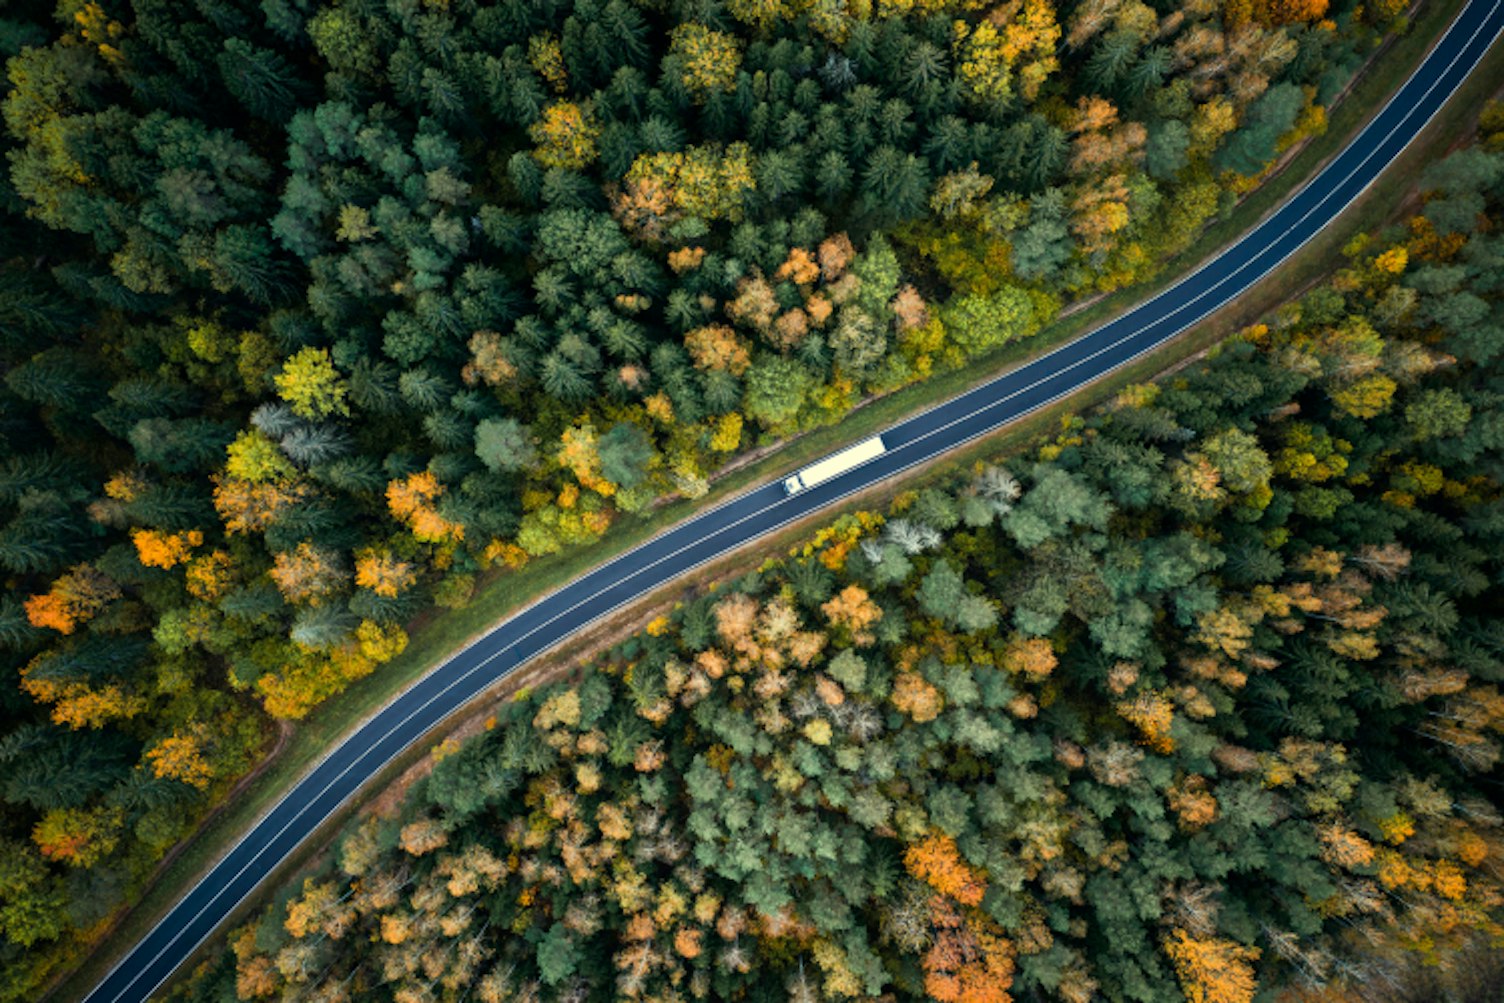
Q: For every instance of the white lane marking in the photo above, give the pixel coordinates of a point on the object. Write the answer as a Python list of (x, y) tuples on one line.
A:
[(1247, 238)]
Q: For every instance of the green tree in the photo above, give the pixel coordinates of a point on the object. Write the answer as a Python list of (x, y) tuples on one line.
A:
[(1252, 145), (626, 453), (776, 388), (979, 324), (1437, 413), (33, 900), (557, 955), (505, 445)]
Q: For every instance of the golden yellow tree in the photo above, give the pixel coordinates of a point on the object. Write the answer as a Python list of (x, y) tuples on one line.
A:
[(708, 59), (1211, 970), (565, 135), (384, 573), (180, 756), (158, 549)]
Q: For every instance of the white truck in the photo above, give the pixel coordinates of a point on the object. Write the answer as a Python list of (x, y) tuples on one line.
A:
[(834, 465)]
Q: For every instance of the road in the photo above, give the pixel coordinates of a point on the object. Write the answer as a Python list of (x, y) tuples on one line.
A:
[(748, 516)]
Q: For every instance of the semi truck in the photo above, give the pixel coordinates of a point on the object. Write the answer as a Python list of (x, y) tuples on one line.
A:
[(834, 465)]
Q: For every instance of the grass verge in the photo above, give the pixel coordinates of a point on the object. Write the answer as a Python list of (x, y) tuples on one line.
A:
[(442, 634)]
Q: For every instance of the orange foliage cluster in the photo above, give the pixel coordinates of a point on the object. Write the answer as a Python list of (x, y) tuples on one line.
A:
[(181, 757), (79, 705), (411, 500), (913, 695), (488, 361), (249, 507), (1152, 714), (306, 574), (1032, 657), (937, 862), (854, 610), (157, 549), (1193, 802), (685, 259), (383, 573), (969, 960), (73, 599), (718, 347), (1341, 847), (1211, 970)]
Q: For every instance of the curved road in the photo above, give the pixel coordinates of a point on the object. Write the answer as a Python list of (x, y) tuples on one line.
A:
[(748, 516)]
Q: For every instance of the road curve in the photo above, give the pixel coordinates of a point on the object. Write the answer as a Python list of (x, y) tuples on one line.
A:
[(748, 516)]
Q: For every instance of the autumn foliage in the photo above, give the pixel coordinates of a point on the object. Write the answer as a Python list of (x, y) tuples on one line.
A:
[(937, 862)]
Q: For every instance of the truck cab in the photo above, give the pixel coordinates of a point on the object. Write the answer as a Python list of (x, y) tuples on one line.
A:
[(792, 485)]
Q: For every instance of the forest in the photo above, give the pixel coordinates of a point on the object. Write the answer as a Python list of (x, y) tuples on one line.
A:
[(1197, 699), (316, 315)]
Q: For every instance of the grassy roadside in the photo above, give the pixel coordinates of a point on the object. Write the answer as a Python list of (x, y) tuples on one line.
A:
[(442, 634)]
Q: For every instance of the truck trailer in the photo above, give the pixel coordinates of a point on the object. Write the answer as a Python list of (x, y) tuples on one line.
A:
[(834, 465)]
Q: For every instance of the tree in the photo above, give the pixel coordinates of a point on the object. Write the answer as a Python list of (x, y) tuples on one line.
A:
[(776, 389), (80, 837), (708, 59), (556, 955), (1211, 970), (941, 591), (1252, 146), (261, 80), (979, 324), (504, 445), (306, 574), (244, 258), (1166, 150), (180, 756), (566, 135), (937, 862), (708, 182), (33, 901), (626, 453), (718, 347), (310, 383), (1239, 459), (74, 599), (1437, 413)]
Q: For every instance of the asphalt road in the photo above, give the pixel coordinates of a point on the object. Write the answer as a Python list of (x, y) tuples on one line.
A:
[(748, 516)]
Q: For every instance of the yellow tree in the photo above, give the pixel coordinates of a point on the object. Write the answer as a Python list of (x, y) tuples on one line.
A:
[(310, 383), (383, 573), (706, 181), (82, 705), (1211, 970), (158, 549), (413, 500), (180, 756), (306, 573), (708, 59), (1014, 43), (255, 457), (566, 135), (718, 347)]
